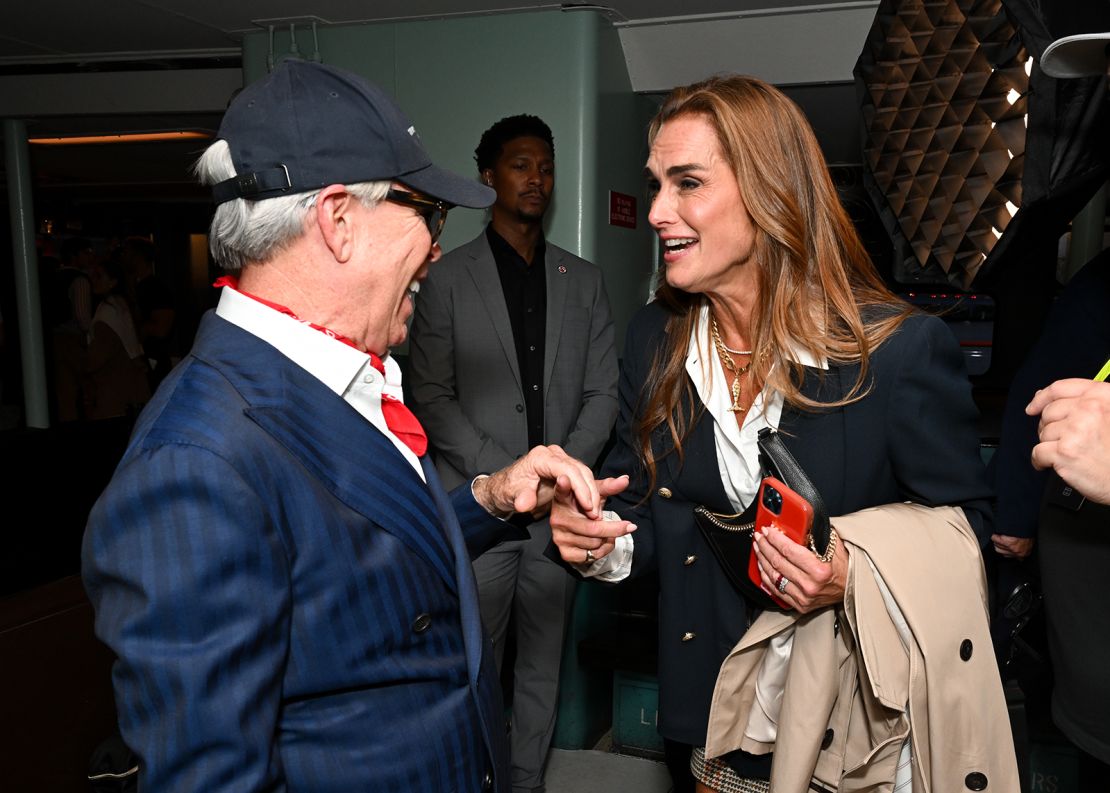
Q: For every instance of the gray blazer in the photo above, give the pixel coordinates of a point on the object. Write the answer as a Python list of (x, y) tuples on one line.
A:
[(464, 375)]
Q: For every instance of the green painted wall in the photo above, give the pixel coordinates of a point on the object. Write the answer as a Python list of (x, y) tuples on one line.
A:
[(454, 77)]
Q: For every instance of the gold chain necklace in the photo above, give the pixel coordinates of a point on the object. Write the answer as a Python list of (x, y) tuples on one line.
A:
[(738, 372)]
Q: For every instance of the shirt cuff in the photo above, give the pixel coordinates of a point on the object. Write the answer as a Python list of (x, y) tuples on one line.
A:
[(503, 517), (614, 566)]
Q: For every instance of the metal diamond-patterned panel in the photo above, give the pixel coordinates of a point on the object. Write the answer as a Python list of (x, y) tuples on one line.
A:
[(943, 86)]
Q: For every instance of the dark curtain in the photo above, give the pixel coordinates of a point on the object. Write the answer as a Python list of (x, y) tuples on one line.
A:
[(1067, 149)]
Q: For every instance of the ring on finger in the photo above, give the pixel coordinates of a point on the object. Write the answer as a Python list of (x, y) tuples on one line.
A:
[(782, 584), (589, 556)]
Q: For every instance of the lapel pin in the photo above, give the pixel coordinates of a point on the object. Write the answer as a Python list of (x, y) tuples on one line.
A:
[(563, 269)]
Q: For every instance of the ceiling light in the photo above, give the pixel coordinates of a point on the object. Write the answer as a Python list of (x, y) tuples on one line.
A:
[(129, 137)]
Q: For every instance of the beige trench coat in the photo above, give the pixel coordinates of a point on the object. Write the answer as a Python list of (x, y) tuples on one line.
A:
[(851, 696)]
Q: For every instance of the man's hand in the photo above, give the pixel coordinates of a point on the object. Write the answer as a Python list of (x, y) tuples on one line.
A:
[(1012, 547), (528, 485), (576, 531), (1075, 434)]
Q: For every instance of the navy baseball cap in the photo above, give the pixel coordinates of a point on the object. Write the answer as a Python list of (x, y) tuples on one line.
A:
[(307, 125)]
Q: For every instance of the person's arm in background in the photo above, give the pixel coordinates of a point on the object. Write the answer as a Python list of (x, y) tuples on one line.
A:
[(1074, 434)]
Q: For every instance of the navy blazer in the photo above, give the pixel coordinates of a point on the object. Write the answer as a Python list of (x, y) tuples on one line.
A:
[(292, 607), (912, 438)]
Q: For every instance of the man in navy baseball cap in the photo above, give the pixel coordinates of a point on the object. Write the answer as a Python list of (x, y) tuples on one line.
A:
[(285, 583)]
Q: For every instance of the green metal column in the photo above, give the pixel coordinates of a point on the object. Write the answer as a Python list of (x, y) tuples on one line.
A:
[(17, 162)]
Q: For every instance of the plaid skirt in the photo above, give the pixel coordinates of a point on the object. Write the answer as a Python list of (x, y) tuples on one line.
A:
[(718, 775)]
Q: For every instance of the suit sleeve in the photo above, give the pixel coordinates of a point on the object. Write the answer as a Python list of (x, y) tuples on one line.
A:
[(481, 531), (189, 581), (599, 389), (435, 399), (623, 459), (932, 439)]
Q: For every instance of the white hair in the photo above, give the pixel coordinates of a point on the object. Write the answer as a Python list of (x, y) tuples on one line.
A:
[(253, 231)]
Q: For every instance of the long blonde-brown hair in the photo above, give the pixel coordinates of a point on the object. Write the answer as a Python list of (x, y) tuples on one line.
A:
[(816, 281)]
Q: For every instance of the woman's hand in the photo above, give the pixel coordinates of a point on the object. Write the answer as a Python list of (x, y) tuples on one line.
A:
[(580, 538), (811, 583)]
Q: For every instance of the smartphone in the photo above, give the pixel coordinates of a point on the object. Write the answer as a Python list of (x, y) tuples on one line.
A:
[(781, 507)]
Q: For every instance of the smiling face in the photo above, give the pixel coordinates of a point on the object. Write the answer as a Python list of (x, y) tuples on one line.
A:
[(523, 176), (395, 253), (706, 232)]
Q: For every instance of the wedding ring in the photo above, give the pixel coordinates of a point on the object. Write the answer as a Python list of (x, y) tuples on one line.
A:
[(782, 584), (589, 556)]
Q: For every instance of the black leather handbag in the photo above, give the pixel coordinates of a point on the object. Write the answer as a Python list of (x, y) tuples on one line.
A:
[(730, 536)]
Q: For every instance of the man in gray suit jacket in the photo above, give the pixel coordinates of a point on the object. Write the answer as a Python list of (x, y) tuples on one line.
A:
[(512, 347)]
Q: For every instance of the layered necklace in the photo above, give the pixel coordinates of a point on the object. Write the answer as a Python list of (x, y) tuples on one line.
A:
[(738, 372)]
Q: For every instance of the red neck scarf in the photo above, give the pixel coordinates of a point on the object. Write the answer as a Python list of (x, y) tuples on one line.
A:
[(398, 418)]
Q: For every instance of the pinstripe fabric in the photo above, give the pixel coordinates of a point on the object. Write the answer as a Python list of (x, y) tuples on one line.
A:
[(260, 563)]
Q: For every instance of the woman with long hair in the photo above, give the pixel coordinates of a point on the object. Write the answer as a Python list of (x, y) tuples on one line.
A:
[(769, 314)]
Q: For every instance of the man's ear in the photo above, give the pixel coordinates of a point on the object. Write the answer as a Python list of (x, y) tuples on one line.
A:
[(487, 177), (334, 218)]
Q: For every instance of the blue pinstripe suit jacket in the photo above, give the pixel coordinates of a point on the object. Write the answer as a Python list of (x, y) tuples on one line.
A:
[(292, 607)]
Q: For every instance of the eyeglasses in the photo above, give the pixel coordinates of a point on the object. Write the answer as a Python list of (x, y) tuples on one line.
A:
[(431, 209)]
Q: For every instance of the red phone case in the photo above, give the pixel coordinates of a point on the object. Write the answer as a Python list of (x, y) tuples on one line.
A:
[(795, 519)]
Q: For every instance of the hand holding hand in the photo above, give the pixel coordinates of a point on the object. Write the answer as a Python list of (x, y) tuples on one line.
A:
[(1075, 434), (528, 485), (811, 583), (576, 533)]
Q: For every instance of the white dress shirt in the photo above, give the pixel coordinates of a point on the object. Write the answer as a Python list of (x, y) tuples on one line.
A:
[(339, 366)]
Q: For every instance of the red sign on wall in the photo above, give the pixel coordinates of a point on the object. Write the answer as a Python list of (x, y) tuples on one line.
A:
[(622, 210)]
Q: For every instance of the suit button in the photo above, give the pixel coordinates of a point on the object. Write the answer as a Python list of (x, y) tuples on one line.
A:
[(965, 654), (826, 742), (690, 560), (520, 408), (421, 623), (688, 636), (487, 781), (664, 492), (976, 781)]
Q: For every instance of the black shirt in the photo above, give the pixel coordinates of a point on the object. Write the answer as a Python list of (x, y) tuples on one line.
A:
[(525, 290)]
